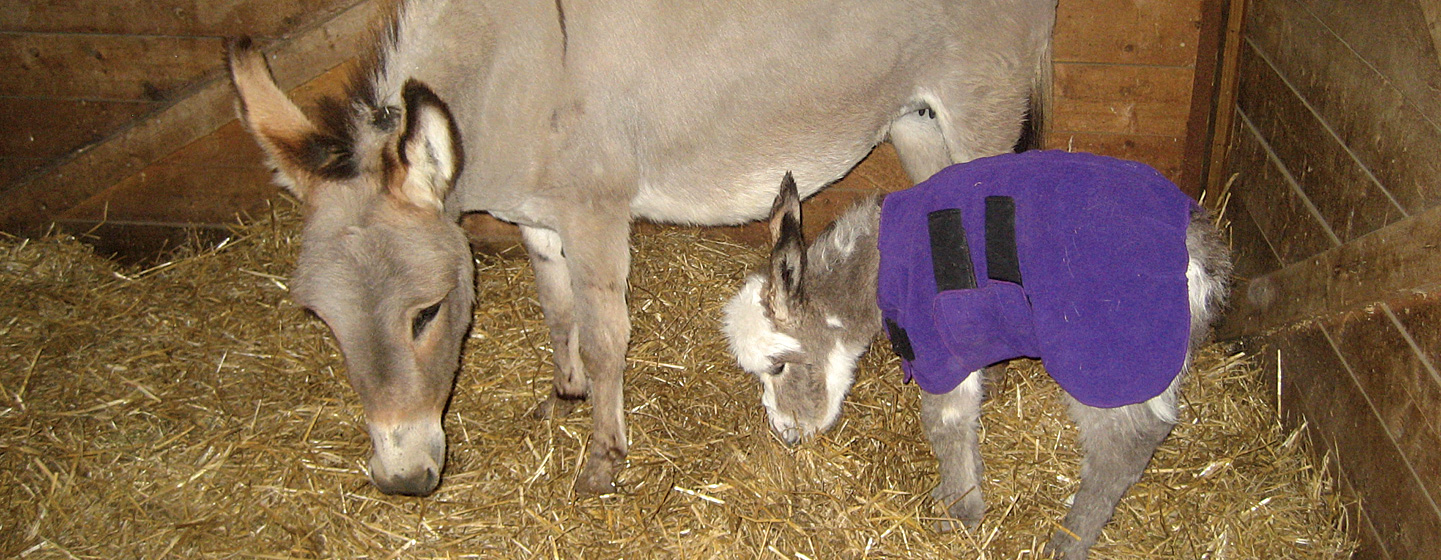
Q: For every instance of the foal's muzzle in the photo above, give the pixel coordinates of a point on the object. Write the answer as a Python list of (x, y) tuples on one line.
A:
[(408, 457)]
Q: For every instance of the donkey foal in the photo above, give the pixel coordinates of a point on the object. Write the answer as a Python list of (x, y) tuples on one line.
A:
[(1099, 267)]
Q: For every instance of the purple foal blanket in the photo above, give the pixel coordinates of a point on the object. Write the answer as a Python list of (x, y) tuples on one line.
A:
[(1076, 259)]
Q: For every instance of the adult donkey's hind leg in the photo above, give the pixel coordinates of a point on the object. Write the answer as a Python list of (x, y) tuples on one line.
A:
[(557, 302), (1117, 444), (922, 150), (950, 421), (597, 248)]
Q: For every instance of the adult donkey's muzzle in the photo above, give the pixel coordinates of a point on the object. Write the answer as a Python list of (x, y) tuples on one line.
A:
[(408, 457)]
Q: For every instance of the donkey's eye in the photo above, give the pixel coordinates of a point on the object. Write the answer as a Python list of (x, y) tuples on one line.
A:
[(423, 318), (777, 369)]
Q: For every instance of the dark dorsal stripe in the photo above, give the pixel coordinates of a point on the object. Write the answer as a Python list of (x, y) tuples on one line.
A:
[(950, 254), (1002, 262), (900, 343)]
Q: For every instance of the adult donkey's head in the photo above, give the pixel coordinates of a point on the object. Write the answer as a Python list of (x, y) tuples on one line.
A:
[(379, 261)]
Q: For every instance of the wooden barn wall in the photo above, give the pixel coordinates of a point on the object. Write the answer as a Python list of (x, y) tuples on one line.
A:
[(1337, 229), (97, 91), (121, 109)]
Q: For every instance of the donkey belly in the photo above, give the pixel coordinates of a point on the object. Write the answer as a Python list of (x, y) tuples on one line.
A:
[(737, 186)]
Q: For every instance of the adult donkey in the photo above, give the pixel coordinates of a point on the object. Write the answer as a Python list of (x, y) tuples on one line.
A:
[(579, 117)]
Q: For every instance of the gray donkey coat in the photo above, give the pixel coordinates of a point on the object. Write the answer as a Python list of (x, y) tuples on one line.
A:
[(578, 117)]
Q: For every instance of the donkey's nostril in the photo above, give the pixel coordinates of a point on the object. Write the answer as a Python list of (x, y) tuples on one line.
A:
[(419, 484)]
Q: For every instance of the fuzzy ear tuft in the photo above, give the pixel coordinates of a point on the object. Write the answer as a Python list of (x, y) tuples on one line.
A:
[(429, 147), (785, 289), (292, 143)]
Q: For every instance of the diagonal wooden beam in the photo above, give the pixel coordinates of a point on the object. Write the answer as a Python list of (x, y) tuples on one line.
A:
[(27, 208), (1399, 260)]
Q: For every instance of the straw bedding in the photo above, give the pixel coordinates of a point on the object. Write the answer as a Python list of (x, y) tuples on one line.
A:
[(191, 410)]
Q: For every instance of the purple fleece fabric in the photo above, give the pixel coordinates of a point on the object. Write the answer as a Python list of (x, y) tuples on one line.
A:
[(1102, 301)]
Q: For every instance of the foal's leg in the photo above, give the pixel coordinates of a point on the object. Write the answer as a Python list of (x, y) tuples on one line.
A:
[(951, 421), (1117, 444), (552, 281), (597, 242)]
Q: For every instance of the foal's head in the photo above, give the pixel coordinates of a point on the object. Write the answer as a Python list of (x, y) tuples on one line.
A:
[(379, 261), (801, 325)]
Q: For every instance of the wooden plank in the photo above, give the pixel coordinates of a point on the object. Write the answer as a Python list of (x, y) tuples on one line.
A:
[(263, 18), (178, 194), (1345, 195), (1206, 85), (1394, 38), (1291, 228), (1121, 99), (1401, 388), (1225, 126), (1318, 385), (13, 169), (104, 67), (1146, 32), (1160, 152), (27, 206), (50, 128), (1394, 262), (1250, 252), (1387, 133)]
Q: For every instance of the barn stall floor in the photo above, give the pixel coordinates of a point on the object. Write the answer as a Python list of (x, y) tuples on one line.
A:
[(191, 410)]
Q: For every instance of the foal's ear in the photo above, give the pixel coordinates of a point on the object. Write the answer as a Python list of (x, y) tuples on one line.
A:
[(784, 289), (429, 148), (294, 145)]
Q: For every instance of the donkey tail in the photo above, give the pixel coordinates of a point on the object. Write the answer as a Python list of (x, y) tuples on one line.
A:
[(1038, 107)]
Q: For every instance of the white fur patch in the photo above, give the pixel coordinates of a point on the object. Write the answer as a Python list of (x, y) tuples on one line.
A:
[(840, 375), (752, 337), (1203, 290), (971, 388)]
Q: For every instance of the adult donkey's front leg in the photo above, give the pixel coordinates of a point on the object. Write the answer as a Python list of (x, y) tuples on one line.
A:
[(557, 301), (597, 244)]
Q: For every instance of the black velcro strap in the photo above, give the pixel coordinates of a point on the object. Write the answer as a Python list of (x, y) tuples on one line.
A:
[(950, 255), (1002, 262), (900, 343)]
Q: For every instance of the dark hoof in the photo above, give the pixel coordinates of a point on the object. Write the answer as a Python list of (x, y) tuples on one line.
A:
[(595, 481), (598, 475)]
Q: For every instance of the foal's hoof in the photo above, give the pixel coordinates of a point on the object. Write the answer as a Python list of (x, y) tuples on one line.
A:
[(555, 406)]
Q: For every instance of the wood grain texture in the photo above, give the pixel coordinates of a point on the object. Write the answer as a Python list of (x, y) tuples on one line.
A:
[(1344, 193), (1318, 390), (215, 18), (1397, 261), (178, 194), (1394, 37), (1289, 225), (1249, 250), (104, 67), (27, 206), (1388, 134), (48, 128), (1144, 32), (1401, 387), (1121, 99), (1161, 152)]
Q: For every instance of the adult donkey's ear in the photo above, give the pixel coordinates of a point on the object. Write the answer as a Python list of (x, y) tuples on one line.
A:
[(784, 290), (295, 147), (429, 148)]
